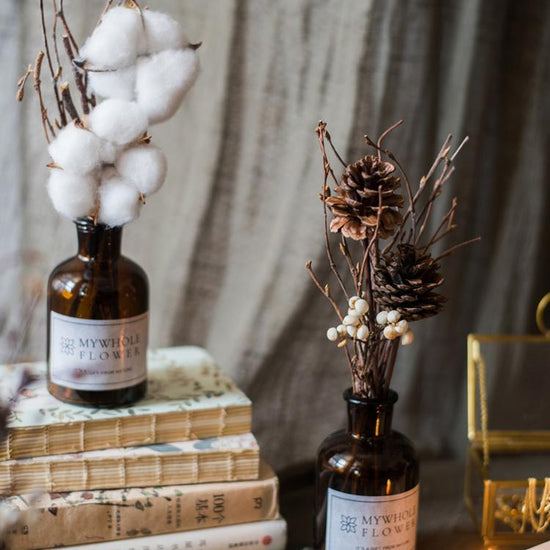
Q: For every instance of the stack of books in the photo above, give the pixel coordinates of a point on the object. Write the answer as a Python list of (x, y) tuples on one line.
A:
[(177, 470)]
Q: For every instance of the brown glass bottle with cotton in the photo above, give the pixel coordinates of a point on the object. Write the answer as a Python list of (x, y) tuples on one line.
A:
[(98, 304)]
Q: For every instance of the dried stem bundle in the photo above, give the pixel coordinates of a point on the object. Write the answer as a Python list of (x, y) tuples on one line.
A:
[(393, 273)]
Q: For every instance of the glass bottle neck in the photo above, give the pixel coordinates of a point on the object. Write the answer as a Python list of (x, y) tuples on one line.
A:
[(369, 417), (98, 242)]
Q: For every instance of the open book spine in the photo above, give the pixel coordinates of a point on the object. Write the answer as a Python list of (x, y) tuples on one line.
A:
[(99, 516), (119, 470), (81, 436)]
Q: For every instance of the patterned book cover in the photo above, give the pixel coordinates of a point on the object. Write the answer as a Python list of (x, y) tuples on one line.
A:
[(227, 458), (62, 519), (257, 535), (188, 397)]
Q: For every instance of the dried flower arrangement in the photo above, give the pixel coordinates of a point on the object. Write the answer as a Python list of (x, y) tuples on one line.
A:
[(388, 253), (141, 63)]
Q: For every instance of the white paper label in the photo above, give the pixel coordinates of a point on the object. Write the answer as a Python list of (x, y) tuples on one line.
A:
[(87, 354), (356, 522)]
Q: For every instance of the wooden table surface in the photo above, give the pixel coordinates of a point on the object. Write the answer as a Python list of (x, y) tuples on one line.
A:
[(444, 522)]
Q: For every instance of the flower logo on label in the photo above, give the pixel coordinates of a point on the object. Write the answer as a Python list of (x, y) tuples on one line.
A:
[(348, 524), (67, 346)]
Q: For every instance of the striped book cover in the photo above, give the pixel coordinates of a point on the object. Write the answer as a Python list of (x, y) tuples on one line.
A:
[(227, 458)]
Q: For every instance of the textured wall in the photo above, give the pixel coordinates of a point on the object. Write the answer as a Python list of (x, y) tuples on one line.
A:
[(225, 241)]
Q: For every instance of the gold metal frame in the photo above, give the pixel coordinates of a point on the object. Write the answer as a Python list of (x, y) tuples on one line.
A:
[(485, 441)]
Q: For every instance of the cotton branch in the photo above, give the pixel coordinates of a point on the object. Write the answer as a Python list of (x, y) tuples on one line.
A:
[(77, 76), (46, 124), (68, 102)]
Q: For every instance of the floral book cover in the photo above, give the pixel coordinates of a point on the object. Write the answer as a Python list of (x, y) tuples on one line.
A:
[(188, 397)]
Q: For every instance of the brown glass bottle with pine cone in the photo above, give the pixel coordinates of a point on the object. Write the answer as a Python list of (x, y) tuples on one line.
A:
[(366, 493), (98, 303)]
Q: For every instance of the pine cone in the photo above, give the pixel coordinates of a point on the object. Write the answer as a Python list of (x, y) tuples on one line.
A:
[(405, 281), (355, 207)]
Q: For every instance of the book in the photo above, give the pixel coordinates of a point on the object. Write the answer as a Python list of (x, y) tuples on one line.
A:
[(257, 535), (227, 458), (188, 397), (62, 519)]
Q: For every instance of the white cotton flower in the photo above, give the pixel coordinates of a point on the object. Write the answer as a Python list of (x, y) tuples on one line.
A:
[(162, 81), (361, 306), (401, 327), (162, 32), (109, 152), (115, 41), (118, 121), (393, 316), (363, 332), (407, 338), (117, 84), (144, 166), (118, 200), (350, 320), (382, 317), (72, 195), (332, 334), (76, 150)]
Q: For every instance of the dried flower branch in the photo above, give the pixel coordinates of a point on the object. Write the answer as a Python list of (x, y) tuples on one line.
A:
[(393, 286)]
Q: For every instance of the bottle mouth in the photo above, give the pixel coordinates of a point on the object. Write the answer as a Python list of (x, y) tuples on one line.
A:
[(88, 225), (354, 399)]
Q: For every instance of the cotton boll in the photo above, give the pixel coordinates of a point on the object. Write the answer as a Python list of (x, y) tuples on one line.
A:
[(162, 32), (118, 201), (114, 43), (76, 150), (117, 84), (118, 121), (162, 81), (72, 195), (144, 166), (109, 152)]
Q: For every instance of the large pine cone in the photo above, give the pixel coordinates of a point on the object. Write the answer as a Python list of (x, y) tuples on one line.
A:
[(405, 281), (356, 205)]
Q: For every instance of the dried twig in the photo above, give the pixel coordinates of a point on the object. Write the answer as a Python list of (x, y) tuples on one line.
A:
[(46, 124), (68, 102), (77, 76)]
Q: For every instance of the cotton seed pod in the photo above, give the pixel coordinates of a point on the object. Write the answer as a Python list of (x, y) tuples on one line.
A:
[(401, 327), (352, 330), (114, 84), (118, 201), (352, 301), (351, 320), (76, 150), (332, 334), (115, 41), (382, 317), (72, 195), (390, 332), (407, 338), (363, 332), (393, 316), (143, 165), (162, 32), (118, 121), (361, 306), (342, 330), (162, 81)]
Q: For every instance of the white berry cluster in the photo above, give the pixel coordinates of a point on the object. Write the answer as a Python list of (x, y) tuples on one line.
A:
[(143, 65), (354, 323), (395, 327)]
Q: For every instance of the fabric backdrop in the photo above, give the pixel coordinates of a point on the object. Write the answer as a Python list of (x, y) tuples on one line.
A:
[(225, 241)]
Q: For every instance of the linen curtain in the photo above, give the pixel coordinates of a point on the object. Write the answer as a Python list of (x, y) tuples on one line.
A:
[(225, 241)]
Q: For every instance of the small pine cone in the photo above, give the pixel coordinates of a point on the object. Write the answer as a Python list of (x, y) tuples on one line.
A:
[(405, 281), (356, 204)]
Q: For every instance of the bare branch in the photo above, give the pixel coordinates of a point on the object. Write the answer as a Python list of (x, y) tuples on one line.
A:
[(46, 124), (68, 102)]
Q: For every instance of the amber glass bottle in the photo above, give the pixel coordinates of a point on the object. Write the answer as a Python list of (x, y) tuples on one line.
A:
[(366, 482), (98, 306)]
